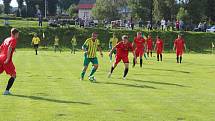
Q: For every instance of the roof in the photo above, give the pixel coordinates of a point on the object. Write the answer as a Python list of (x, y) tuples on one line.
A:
[(85, 6), (87, 2)]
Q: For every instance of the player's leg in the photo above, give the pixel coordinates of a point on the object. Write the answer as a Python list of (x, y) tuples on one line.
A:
[(126, 63), (161, 57), (126, 70), (137, 53), (141, 58), (10, 70), (158, 56), (181, 53), (95, 66), (117, 60), (151, 52), (37, 49), (86, 63)]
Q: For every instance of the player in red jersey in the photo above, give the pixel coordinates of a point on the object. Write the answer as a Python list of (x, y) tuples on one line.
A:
[(139, 45), (149, 45), (6, 53), (179, 46), (159, 48), (122, 50)]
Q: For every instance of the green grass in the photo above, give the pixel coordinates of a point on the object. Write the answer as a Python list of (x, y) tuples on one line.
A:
[(23, 23), (48, 89)]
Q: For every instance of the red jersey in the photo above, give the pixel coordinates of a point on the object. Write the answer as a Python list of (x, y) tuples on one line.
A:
[(123, 49), (139, 42), (149, 43), (9, 42), (179, 44), (159, 44)]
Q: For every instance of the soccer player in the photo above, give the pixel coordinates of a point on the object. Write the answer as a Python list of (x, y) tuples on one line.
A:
[(139, 45), (35, 42), (159, 48), (180, 46), (149, 45), (122, 50), (6, 54), (90, 47), (56, 44), (112, 43), (74, 44)]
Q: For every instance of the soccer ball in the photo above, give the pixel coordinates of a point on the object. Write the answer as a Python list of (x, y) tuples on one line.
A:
[(92, 79)]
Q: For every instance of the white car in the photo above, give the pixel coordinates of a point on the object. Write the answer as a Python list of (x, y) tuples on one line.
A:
[(212, 29)]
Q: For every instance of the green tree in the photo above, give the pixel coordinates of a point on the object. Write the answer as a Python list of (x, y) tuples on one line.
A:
[(106, 9), (52, 7), (141, 9), (66, 4), (182, 14), (6, 6), (20, 7), (73, 10)]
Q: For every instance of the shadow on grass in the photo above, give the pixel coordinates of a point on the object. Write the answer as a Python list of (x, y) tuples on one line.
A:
[(154, 82), (170, 70), (127, 85), (50, 100)]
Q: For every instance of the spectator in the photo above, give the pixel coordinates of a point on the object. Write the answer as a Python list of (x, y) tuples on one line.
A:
[(168, 25), (149, 25), (40, 20), (140, 23), (177, 24), (181, 25), (163, 24)]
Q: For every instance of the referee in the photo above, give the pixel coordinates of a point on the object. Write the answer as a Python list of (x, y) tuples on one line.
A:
[(35, 42)]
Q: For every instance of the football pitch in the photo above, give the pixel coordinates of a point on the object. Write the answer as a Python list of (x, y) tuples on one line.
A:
[(48, 88)]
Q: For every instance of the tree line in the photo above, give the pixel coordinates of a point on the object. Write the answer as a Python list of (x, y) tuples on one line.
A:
[(190, 11)]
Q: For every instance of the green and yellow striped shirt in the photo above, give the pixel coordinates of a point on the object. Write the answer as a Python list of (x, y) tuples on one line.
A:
[(91, 47)]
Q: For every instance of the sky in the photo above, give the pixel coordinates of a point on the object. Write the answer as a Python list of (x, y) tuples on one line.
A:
[(13, 3)]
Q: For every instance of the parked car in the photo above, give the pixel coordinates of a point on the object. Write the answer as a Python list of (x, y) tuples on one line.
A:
[(211, 29)]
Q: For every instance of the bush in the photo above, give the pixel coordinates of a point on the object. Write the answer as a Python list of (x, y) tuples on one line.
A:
[(198, 42)]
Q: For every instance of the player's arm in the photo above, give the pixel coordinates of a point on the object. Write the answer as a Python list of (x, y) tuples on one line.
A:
[(155, 46), (8, 55), (111, 51), (185, 47), (100, 50), (110, 44), (32, 42), (174, 47)]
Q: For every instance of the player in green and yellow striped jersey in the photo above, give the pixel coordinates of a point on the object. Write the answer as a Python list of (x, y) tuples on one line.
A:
[(90, 48)]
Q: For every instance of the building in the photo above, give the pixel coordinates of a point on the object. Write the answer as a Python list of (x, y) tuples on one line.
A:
[(85, 8)]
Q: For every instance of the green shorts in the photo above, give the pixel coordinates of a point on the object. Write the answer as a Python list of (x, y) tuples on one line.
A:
[(92, 60)]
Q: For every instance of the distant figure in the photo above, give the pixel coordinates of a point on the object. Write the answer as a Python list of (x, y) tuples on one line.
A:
[(169, 24), (56, 44), (149, 45), (159, 48), (35, 43), (40, 20), (149, 25), (179, 46), (112, 43), (74, 44), (163, 24), (177, 25)]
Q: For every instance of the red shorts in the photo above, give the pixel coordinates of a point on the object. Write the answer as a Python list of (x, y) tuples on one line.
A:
[(150, 49), (124, 59), (139, 52), (179, 52), (159, 51), (8, 68)]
